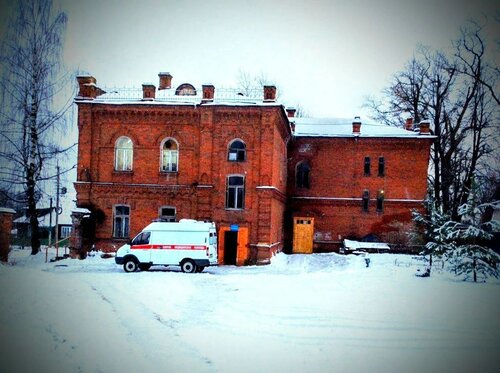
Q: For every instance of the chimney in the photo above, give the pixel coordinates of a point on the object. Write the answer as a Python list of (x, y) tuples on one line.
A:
[(87, 88), (165, 81), (409, 124), (356, 126), (425, 127), (208, 93), (148, 92), (290, 112), (269, 93)]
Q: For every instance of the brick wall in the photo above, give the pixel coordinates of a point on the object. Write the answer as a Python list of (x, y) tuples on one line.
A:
[(198, 189), (338, 180)]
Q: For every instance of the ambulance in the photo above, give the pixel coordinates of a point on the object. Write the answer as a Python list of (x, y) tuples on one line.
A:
[(190, 244)]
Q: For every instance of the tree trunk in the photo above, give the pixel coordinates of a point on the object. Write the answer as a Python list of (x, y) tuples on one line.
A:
[(30, 194)]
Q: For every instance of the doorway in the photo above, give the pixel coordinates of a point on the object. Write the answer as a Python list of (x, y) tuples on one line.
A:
[(230, 247), (303, 232)]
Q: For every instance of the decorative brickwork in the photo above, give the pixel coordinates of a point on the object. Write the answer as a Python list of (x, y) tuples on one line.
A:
[(180, 160)]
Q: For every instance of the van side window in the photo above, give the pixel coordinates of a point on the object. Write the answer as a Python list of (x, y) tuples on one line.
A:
[(141, 238), (212, 239)]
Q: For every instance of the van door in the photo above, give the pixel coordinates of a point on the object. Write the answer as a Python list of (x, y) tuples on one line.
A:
[(141, 248)]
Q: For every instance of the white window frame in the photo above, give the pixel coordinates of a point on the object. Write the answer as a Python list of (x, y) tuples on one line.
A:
[(171, 155), (236, 188), (66, 231), (124, 154)]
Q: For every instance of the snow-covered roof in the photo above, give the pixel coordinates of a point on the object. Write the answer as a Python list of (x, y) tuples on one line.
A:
[(342, 127), (222, 96)]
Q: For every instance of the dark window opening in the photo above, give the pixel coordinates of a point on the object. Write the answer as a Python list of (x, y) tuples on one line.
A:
[(235, 192), (366, 200), (380, 201), (381, 166), (302, 177), (367, 166), (237, 151), (167, 214), (121, 222)]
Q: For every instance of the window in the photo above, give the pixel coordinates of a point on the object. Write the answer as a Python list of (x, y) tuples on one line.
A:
[(366, 200), (237, 151), (381, 166), (167, 214), (169, 156), (185, 89), (302, 175), (123, 154), (121, 221), (141, 239), (65, 231), (380, 201), (235, 192), (367, 166)]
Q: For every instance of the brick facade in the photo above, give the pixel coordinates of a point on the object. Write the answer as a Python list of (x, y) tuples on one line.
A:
[(338, 183), (197, 186)]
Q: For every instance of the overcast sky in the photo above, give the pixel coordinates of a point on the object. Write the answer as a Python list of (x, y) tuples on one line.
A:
[(324, 55)]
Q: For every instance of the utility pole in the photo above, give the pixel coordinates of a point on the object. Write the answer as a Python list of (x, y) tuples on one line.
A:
[(57, 211), (50, 231)]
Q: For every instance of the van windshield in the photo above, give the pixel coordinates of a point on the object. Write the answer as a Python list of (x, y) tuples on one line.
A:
[(141, 239)]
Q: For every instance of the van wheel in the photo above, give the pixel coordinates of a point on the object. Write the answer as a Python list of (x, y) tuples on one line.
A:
[(130, 265), (200, 269), (144, 266), (188, 266)]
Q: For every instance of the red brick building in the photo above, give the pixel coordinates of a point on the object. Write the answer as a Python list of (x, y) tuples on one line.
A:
[(233, 159)]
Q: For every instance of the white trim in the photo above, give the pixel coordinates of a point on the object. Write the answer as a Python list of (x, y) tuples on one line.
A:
[(269, 187)]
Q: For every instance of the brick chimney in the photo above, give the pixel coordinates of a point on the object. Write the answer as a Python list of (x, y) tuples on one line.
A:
[(425, 127), (208, 92), (148, 92), (87, 88), (356, 126), (165, 81), (409, 124), (269, 93), (290, 112)]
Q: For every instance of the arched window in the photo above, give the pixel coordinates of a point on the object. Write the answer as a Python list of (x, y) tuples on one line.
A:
[(302, 175), (169, 156), (124, 151), (237, 151)]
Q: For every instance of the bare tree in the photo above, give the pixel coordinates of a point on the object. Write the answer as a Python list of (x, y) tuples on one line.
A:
[(249, 84), (32, 109), (454, 93)]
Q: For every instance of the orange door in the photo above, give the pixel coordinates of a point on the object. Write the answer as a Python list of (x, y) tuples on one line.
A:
[(235, 243), (303, 231)]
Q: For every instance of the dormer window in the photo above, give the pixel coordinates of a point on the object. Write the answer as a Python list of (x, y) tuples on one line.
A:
[(185, 89), (237, 151)]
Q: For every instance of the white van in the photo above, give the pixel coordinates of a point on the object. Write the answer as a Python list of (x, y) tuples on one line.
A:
[(190, 244)]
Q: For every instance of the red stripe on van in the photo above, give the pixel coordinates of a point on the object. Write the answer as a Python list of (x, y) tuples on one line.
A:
[(168, 247)]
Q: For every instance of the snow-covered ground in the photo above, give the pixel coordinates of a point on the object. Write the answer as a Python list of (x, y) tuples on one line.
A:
[(302, 313)]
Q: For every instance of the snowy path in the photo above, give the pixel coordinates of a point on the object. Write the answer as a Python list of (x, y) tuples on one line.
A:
[(319, 313)]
